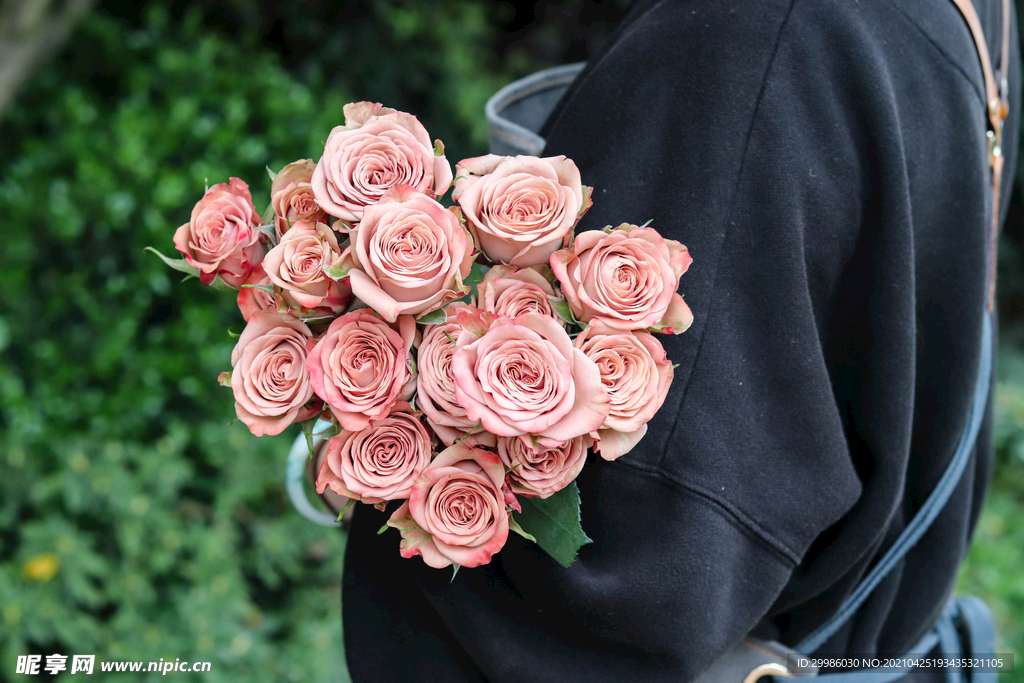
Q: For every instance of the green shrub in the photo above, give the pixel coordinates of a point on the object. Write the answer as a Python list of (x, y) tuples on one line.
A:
[(172, 532), (135, 523)]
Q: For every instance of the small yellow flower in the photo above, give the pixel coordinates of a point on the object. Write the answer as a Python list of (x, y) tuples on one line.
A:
[(41, 568)]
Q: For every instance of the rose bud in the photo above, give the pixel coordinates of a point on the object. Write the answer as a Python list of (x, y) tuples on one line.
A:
[(525, 377), (291, 197), (221, 237), (377, 463), (456, 510), (296, 266), (269, 376), (520, 209), (636, 373), (626, 278), (435, 385), (545, 467), (510, 292), (252, 299), (377, 149), (362, 366), (409, 255)]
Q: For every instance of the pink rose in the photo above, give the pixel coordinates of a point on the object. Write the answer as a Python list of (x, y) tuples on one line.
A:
[(221, 237), (523, 376), (510, 292), (269, 375), (362, 366), (296, 266), (636, 373), (377, 149), (251, 299), (456, 510), (545, 467), (377, 463), (520, 209), (291, 196), (435, 385), (626, 278), (409, 255)]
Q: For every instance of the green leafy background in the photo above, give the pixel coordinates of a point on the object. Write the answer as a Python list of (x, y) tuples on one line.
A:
[(135, 523)]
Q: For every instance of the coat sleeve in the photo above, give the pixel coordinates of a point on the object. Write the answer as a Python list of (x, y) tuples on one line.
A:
[(736, 133)]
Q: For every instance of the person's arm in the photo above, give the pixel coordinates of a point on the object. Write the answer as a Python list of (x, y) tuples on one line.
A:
[(767, 138)]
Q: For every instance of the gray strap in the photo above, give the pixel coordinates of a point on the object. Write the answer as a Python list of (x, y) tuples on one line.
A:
[(931, 508), (518, 111)]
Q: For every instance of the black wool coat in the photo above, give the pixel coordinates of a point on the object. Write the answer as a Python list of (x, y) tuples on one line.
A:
[(825, 163)]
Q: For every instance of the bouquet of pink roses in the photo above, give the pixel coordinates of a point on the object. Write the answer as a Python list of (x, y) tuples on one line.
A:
[(468, 358)]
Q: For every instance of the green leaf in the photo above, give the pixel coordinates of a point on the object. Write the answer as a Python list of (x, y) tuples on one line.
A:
[(514, 526), (314, 319), (178, 264), (271, 174), (563, 310), (267, 217), (269, 289), (555, 523), (588, 196), (438, 148), (335, 271), (455, 570), (647, 223), (221, 286), (270, 231), (476, 274), (437, 317)]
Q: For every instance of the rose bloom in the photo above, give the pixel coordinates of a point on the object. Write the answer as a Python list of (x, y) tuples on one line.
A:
[(435, 385), (520, 209), (456, 510), (545, 467), (269, 376), (377, 149), (409, 255), (511, 292), (291, 197), (251, 299), (377, 463), (636, 373), (362, 366), (626, 278), (525, 377), (296, 266), (221, 237)]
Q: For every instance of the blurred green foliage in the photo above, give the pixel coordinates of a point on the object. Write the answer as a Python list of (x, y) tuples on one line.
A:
[(134, 522), (994, 568)]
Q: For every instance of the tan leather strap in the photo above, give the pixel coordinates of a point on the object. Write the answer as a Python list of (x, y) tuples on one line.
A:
[(997, 98)]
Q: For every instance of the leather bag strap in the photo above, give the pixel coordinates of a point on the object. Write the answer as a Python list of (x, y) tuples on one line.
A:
[(997, 99)]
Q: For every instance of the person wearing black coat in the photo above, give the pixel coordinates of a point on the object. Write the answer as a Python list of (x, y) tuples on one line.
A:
[(825, 164)]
